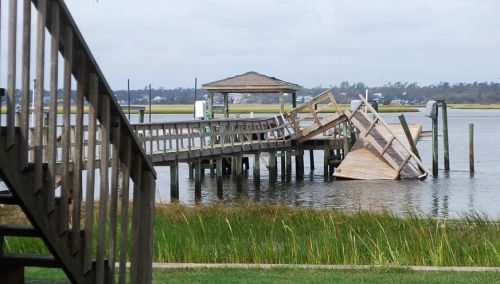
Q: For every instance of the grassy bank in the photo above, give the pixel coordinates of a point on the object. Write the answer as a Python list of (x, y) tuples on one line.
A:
[(240, 108), (475, 106), (277, 234), (294, 276), (262, 108)]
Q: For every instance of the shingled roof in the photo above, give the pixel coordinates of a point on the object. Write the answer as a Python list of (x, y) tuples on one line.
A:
[(251, 82)]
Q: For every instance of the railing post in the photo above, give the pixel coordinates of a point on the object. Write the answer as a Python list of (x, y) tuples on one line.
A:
[(147, 216)]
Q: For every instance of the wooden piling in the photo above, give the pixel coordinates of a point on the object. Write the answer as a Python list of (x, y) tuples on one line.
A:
[(219, 173), (407, 132), (446, 145), (191, 170), (345, 140), (289, 165), (212, 168), (141, 116), (283, 166), (471, 148), (272, 166), (311, 159), (197, 174), (239, 172), (326, 161), (256, 170), (299, 164), (435, 145), (174, 181)]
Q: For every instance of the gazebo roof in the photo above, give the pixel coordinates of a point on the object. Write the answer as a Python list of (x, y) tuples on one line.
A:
[(251, 82)]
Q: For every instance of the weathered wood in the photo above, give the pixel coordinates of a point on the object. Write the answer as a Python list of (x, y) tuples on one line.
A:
[(220, 190), (40, 67), (471, 148), (197, 177), (256, 169), (435, 145), (239, 172), (283, 165), (288, 165), (147, 216), (174, 181), (311, 159), (272, 167), (11, 74), (25, 83), (91, 158), (409, 137), (136, 222), (113, 209), (125, 172), (52, 131), (104, 189), (299, 163), (446, 145)]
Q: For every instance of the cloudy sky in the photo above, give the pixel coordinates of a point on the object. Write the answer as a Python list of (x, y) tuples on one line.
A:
[(318, 42)]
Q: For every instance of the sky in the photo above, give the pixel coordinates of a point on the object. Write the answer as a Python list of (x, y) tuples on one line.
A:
[(318, 42)]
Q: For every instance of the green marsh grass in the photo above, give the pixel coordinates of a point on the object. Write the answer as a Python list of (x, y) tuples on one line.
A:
[(252, 233)]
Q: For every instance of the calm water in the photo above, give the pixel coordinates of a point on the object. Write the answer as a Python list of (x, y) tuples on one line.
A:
[(450, 195)]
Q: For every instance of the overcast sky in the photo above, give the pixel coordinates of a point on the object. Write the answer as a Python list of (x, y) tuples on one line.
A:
[(317, 42)]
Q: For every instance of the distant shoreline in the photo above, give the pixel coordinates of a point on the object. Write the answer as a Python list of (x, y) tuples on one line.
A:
[(274, 108)]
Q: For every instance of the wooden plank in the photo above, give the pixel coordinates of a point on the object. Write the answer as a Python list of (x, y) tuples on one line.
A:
[(104, 189), (136, 219), (125, 170), (364, 161), (113, 209), (40, 67), (11, 74), (52, 131), (91, 157), (25, 83)]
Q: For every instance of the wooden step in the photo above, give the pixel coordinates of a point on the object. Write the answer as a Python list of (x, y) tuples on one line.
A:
[(18, 230), (30, 260)]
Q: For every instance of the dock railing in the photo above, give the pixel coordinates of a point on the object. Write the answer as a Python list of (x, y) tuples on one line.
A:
[(182, 140)]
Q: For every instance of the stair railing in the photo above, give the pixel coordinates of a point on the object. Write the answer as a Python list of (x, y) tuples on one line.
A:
[(92, 255)]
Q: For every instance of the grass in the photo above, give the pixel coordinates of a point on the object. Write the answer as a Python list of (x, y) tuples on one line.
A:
[(475, 106), (253, 233), (261, 108), (293, 276), (241, 108)]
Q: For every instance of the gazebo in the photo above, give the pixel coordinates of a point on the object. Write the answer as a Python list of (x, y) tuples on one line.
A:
[(250, 82)]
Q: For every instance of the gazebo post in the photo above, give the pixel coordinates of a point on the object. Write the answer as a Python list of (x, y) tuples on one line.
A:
[(282, 102), (210, 105), (226, 105), (294, 100)]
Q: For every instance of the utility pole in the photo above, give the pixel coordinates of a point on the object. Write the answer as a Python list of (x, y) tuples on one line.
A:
[(195, 98), (128, 93), (149, 103)]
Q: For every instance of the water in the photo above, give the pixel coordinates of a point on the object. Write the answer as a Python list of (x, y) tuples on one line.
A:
[(450, 195)]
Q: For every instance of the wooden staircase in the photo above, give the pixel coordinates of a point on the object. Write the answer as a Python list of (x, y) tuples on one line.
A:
[(44, 167), (385, 142)]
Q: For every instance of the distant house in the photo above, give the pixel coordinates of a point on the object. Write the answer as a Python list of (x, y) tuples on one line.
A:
[(398, 102)]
